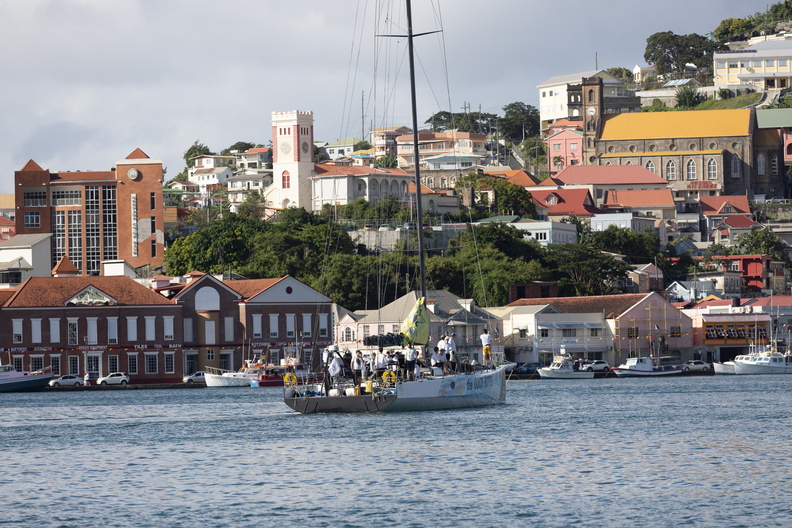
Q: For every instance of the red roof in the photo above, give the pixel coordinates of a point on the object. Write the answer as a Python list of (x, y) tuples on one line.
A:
[(356, 170), (517, 177), (31, 166), (65, 267), (640, 198), (257, 150), (608, 174), (570, 202), (711, 205), (737, 221), (252, 287), (56, 291), (137, 154)]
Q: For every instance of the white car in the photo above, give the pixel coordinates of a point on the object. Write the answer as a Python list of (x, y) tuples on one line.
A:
[(597, 365), (69, 380), (386, 227), (116, 378), (195, 377)]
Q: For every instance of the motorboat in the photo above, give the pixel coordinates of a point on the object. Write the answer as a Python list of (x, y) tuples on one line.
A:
[(274, 376), (643, 367), (727, 367), (563, 367), (13, 380), (771, 362), (216, 377)]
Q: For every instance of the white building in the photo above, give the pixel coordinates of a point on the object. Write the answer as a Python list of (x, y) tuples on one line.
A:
[(292, 160), (25, 256)]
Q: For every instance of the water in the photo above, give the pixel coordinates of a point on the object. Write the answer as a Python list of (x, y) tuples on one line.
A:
[(703, 451)]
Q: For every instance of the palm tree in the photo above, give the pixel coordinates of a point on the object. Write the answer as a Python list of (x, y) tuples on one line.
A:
[(558, 161)]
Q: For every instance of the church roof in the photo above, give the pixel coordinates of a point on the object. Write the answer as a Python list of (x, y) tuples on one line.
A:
[(676, 125)]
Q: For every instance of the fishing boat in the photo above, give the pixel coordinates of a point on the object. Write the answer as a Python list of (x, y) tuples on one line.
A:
[(643, 367), (474, 387), (771, 362), (563, 367), (13, 380), (254, 373), (727, 367)]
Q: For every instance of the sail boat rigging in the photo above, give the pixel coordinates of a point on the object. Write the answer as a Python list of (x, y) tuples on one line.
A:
[(473, 388)]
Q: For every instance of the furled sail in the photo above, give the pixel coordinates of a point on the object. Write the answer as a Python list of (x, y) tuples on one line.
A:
[(415, 328)]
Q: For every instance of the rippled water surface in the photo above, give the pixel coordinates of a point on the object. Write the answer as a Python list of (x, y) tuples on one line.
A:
[(705, 451)]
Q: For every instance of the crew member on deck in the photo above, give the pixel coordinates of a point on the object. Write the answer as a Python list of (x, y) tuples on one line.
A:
[(451, 350), (358, 367), (439, 360), (486, 345), (410, 356)]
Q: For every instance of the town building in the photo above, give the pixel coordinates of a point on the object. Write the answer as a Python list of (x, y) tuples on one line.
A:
[(384, 140), (558, 204), (340, 149), (95, 215), (450, 149), (765, 65), (24, 256)]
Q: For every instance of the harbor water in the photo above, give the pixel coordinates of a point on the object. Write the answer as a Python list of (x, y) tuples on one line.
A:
[(692, 451)]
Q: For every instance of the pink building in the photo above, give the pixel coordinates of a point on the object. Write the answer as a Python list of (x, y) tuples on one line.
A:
[(564, 148)]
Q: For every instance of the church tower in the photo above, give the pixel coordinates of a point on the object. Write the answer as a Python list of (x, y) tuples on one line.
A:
[(292, 160), (592, 89)]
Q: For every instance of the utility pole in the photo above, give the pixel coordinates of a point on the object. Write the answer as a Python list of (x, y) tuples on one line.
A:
[(362, 117)]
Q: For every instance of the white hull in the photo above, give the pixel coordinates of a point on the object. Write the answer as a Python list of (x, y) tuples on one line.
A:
[(229, 379), (635, 373), (548, 373), (727, 367), (743, 368), (478, 389)]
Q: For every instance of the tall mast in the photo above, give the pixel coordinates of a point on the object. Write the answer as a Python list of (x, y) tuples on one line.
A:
[(418, 206)]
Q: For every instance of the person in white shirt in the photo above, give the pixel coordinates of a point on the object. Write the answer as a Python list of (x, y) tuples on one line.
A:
[(439, 360), (336, 366), (451, 350), (410, 357), (358, 366), (441, 345), (382, 362), (486, 345)]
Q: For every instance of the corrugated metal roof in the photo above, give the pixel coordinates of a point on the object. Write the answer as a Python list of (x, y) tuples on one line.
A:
[(774, 118), (686, 124)]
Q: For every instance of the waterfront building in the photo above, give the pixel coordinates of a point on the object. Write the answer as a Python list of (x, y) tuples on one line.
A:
[(95, 216)]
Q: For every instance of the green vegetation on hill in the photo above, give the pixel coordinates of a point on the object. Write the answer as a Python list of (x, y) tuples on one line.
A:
[(741, 101)]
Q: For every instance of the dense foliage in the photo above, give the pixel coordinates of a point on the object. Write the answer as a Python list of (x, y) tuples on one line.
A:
[(671, 52)]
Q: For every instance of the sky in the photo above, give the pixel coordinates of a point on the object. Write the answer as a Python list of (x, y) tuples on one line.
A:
[(86, 82)]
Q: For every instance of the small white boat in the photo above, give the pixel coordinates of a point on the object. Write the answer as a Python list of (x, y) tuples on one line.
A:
[(763, 363), (643, 367), (727, 367), (12, 380), (562, 367), (225, 378)]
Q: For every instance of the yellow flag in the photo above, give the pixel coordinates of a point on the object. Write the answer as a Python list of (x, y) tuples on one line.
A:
[(415, 328)]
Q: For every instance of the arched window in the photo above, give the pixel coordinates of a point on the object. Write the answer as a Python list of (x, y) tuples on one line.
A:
[(286, 180), (761, 164), (690, 172), (650, 166), (735, 167), (207, 300), (670, 171), (349, 334), (712, 170), (591, 96), (628, 163)]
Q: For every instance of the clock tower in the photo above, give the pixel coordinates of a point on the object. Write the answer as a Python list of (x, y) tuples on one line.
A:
[(292, 160), (592, 117)]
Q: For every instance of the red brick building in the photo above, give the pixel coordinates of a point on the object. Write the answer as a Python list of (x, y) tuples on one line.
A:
[(95, 215)]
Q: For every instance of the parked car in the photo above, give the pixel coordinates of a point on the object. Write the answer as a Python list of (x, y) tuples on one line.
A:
[(368, 227), (195, 377), (409, 226), (776, 200), (597, 365), (67, 380), (386, 227), (694, 365), (116, 378)]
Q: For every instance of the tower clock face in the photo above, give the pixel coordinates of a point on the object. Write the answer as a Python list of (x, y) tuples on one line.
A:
[(592, 110), (305, 147), (133, 174), (285, 148)]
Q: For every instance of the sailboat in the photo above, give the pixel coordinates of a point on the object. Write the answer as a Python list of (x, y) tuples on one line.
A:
[(432, 390)]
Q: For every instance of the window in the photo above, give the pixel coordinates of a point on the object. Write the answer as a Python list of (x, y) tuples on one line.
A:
[(289, 325), (273, 324), (74, 365), (17, 331), (306, 325), (66, 198), (782, 62), (286, 180), (153, 199), (690, 173), (774, 164), (210, 355), (675, 331), (348, 334), (210, 333), (712, 170), (36, 362), (735, 167), (650, 166), (229, 329), (257, 325), (632, 332), (35, 199), (169, 364), (131, 328), (151, 363), (132, 364), (112, 363), (150, 327), (594, 332), (91, 334), (544, 332), (32, 219), (556, 146), (188, 329), (670, 171), (761, 162), (770, 62), (523, 333), (167, 324), (55, 365), (18, 363), (573, 146), (73, 333), (569, 332)]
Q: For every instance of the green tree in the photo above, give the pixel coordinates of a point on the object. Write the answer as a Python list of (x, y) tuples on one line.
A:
[(670, 52), (656, 106), (387, 162), (509, 198), (239, 146), (621, 73), (687, 97), (558, 162), (254, 206), (197, 149), (734, 29), (636, 247), (519, 122), (363, 145), (477, 122), (583, 270), (762, 242)]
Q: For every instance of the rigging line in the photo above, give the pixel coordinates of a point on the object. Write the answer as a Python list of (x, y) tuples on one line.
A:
[(347, 108)]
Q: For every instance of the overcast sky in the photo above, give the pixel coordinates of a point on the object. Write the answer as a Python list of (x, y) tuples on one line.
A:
[(85, 82)]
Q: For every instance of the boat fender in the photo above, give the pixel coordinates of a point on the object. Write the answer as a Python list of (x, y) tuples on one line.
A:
[(289, 379), (389, 376)]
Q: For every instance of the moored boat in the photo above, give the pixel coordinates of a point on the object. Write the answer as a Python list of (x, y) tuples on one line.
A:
[(727, 367), (12, 380), (763, 363), (562, 367), (643, 367)]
